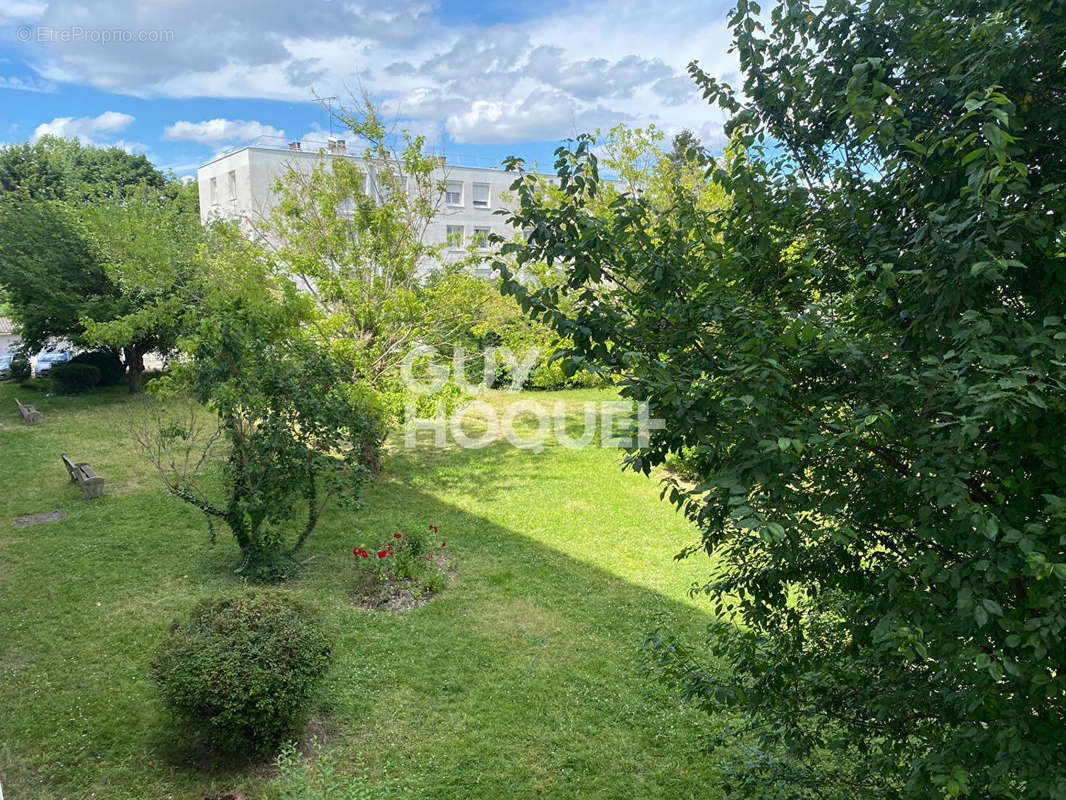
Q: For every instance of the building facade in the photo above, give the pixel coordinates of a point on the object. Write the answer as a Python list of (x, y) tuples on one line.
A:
[(9, 340), (238, 185)]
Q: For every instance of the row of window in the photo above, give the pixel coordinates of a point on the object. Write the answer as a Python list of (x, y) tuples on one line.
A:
[(455, 236), (453, 194), (231, 181)]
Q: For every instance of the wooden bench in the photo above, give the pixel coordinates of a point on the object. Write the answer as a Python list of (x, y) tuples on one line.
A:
[(30, 415), (92, 485)]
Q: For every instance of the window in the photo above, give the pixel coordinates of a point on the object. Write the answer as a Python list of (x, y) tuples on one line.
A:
[(481, 236), (453, 193), (481, 195), (214, 191), (454, 236), (232, 181)]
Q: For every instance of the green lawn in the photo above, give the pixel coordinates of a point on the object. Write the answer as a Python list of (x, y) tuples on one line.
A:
[(522, 680)]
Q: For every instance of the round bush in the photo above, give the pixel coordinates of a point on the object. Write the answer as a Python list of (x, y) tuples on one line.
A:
[(243, 669), (21, 369), (71, 378), (112, 370)]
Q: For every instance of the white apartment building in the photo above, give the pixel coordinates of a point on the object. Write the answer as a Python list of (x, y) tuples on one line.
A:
[(238, 185)]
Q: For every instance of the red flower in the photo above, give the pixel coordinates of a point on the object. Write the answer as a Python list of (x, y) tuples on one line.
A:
[(355, 552), (382, 553), (397, 535), (442, 544)]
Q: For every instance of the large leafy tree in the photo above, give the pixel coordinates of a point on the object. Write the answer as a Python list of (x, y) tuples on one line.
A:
[(22, 168), (862, 357), (96, 246), (50, 270), (149, 244), (682, 146), (641, 166), (53, 168), (118, 273), (634, 156)]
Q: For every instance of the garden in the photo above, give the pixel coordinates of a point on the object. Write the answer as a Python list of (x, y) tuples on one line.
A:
[(741, 477), (521, 678)]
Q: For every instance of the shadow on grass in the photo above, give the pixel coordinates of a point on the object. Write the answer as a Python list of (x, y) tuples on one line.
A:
[(521, 680)]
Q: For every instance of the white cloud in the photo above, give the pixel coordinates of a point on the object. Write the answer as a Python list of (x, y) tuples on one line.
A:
[(217, 131), (84, 129), (595, 77), (544, 114), (589, 64), (165, 42), (432, 131), (499, 121), (14, 11), (26, 84), (132, 147)]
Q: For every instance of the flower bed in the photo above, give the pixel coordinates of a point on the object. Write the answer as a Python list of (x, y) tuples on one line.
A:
[(406, 572)]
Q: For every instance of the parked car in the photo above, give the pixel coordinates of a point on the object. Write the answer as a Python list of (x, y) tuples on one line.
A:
[(46, 359), (5, 365)]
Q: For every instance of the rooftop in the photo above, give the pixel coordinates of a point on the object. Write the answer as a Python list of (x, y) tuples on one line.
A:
[(315, 146)]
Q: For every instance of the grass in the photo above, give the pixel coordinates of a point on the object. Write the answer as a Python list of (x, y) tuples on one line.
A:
[(522, 680)]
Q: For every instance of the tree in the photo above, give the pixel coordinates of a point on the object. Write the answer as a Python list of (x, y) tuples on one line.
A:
[(641, 167), (636, 156), (356, 241), (50, 270), (23, 169), (64, 169), (116, 273), (682, 147), (861, 355), (632, 153), (104, 172), (95, 246), (289, 429), (148, 241)]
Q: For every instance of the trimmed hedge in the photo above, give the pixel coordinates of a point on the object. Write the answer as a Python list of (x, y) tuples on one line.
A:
[(72, 378), (112, 370)]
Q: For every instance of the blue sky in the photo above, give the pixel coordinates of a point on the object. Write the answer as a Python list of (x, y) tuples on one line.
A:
[(182, 80)]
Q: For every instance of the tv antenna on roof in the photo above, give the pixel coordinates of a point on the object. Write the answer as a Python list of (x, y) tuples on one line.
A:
[(329, 110)]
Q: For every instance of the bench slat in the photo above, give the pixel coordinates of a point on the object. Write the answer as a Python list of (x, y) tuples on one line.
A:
[(70, 467), (91, 482), (29, 414)]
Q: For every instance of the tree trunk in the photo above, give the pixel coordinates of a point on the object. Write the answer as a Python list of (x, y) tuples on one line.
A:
[(134, 368), (370, 455)]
